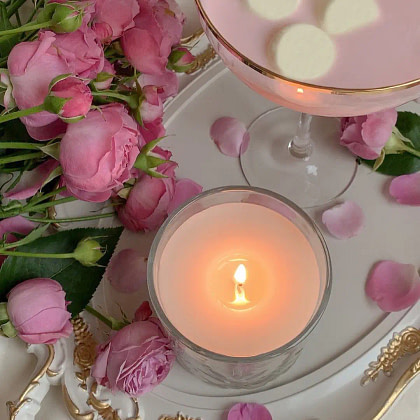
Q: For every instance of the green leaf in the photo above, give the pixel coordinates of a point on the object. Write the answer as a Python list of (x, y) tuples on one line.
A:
[(6, 42), (78, 282), (405, 163)]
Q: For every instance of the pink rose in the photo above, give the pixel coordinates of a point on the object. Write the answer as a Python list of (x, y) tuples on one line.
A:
[(153, 130), (82, 52), (110, 141), (147, 205), (365, 136), (164, 20), (158, 27), (143, 52), (152, 199), (78, 94), (136, 358), (17, 224), (37, 310), (167, 83), (32, 66), (47, 132), (111, 23), (151, 108), (104, 79)]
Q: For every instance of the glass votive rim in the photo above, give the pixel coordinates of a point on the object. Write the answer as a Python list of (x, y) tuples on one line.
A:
[(175, 333)]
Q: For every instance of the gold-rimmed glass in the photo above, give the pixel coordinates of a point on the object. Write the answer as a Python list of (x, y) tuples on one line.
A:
[(307, 165)]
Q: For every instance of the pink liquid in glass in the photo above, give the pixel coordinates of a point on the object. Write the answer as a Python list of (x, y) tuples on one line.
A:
[(383, 53)]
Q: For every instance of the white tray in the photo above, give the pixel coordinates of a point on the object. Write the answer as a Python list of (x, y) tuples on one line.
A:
[(325, 382)]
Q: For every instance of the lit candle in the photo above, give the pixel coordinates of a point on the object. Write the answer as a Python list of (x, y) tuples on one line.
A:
[(238, 278)]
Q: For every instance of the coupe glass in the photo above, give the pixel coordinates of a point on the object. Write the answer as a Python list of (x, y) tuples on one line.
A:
[(293, 153)]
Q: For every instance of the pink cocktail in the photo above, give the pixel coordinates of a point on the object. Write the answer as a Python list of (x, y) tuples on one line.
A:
[(377, 66)]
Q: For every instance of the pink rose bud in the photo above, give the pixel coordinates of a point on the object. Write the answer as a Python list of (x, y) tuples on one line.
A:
[(88, 252), (181, 60), (104, 78), (136, 358), (70, 98), (37, 309), (66, 17), (6, 98)]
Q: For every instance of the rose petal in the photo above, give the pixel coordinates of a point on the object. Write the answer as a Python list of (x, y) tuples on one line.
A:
[(127, 271), (345, 220), (32, 181), (377, 128), (249, 411), (393, 286), (184, 190), (406, 189), (143, 312), (230, 136)]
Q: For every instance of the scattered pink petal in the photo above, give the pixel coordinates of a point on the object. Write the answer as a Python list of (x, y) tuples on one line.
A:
[(127, 271), (406, 189), (230, 136), (393, 286), (32, 181), (184, 190), (345, 220), (249, 411)]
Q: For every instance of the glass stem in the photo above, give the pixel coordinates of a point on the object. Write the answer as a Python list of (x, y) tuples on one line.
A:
[(301, 145)]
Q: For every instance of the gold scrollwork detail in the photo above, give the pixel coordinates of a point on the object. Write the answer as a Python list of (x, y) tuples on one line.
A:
[(179, 416), (84, 358), (202, 59), (15, 406), (402, 383), (194, 37), (403, 344), (85, 350)]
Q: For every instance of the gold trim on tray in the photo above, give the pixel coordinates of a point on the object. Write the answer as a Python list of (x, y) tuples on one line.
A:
[(195, 36), (405, 343), (179, 416), (15, 406), (402, 344), (402, 383), (202, 59)]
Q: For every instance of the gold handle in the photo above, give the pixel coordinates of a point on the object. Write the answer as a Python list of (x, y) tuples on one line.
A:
[(402, 383)]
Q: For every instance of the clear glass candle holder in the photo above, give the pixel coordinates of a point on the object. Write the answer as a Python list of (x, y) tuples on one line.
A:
[(216, 368)]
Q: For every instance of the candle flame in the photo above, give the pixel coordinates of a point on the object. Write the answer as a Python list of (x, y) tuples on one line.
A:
[(240, 278)]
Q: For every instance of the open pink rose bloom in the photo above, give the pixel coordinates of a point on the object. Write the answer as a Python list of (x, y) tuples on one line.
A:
[(365, 136), (136, 358)]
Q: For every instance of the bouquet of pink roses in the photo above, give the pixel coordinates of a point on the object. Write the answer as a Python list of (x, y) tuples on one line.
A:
[(82, 91), (82, 88)]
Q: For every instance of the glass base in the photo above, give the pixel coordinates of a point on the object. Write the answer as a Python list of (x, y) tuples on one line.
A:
[(311, 181)]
